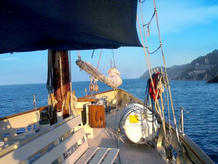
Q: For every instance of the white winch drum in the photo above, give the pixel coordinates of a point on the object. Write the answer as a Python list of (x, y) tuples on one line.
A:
[(138, 126)]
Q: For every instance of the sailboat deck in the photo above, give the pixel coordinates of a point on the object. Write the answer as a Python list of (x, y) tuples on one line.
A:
[(129, 152)]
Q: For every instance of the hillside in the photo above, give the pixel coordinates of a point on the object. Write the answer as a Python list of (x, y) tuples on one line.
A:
[(202, 68)]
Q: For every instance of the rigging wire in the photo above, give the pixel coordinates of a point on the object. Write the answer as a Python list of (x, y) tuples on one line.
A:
[(113, 55), (95, 80), (146, 42), (148, 64), (150, 53), (148, 31), (79, 56), (156, 105), (73, 99), (148, 24), (111, 63), (164, 63), (71, 85), (93, 53), (158, 29), (168, 107), (99, 59), (70, 71)]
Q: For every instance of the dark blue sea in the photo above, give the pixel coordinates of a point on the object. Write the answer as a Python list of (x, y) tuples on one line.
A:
[(198, 98)]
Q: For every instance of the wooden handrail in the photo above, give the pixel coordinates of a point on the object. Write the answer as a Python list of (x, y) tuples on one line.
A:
[(25, 112), (87, 99)]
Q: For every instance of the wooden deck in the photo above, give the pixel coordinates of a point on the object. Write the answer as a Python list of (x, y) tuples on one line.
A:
[(129, 152)]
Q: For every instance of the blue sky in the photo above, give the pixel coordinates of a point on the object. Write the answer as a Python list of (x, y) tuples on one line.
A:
[(188, 30)]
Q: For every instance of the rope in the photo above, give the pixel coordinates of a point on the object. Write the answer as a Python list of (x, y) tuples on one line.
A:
[(170, 130), (79, 56), (163, 117), (155, 11), (141, 1), (150, 53), (149, 69), (49, 85), (164, 63), (73, 102), (146, 95), (148, 59), (157, 107), (93, 53), (69, 59), (148, 24), (72, 99), (91, 78), (110, 63), (99, 59), (114, 58), (146, 42), (51, 105)]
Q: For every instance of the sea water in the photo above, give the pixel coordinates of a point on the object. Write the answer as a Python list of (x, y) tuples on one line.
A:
[(200, 101)]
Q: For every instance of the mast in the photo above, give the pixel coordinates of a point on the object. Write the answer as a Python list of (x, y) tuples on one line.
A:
[(61, 80)]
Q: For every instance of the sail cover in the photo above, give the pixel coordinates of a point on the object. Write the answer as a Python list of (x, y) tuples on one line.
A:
[(113, 80), (67, 25)]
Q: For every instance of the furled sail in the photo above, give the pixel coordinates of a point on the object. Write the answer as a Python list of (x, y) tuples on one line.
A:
[(67, 25), (113, 80)]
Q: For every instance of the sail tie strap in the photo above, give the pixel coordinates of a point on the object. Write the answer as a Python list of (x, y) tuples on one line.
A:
[(49, 84)]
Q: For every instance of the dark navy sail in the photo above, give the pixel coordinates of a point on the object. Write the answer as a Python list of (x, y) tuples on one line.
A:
[(67, 25)]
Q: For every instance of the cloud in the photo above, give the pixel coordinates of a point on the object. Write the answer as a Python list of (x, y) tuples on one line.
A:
[(8, 59)]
